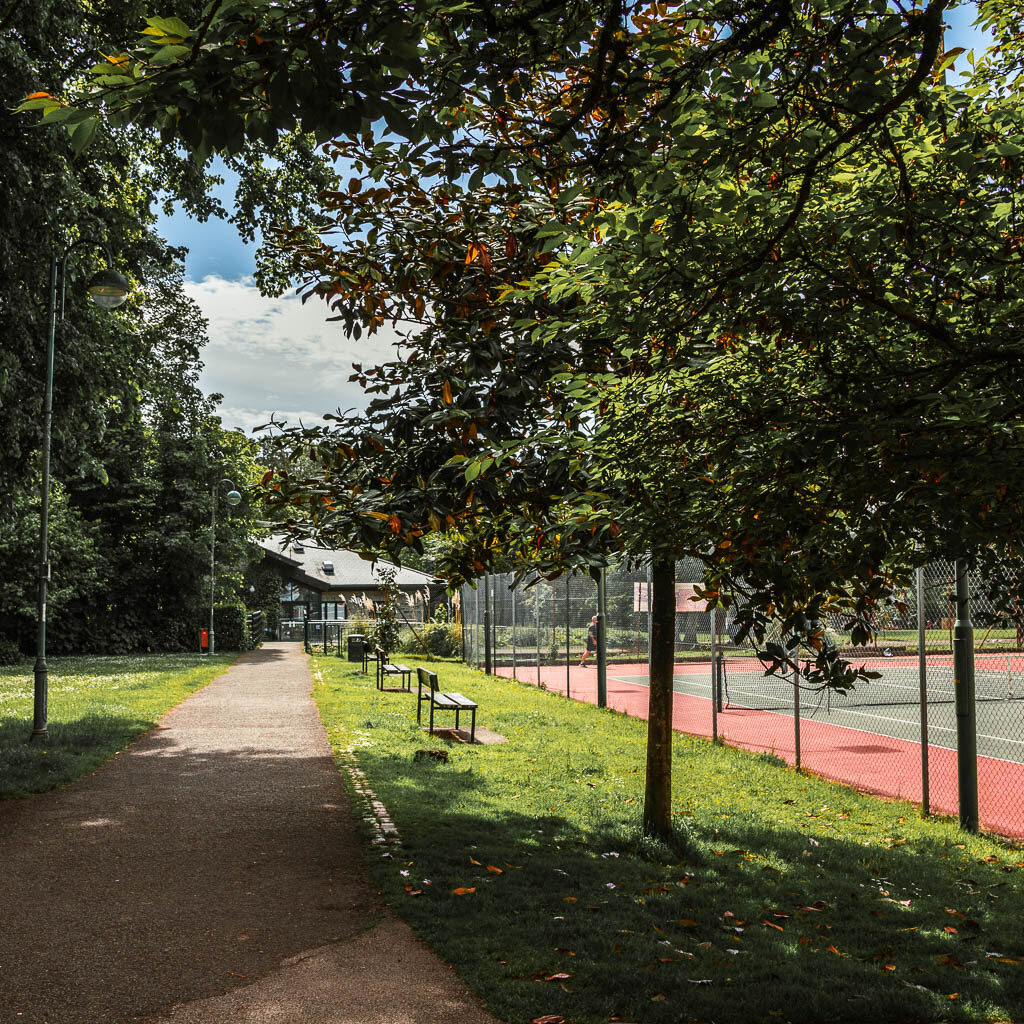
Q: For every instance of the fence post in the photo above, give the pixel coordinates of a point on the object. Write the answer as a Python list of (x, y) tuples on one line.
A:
[(714, 682), (494, 628), (487, 623), (796, 707), (513, 592), (648, 618), (536, 604), (922, 671), (568, 656), (462, 620), (602, 640), (966, 720)]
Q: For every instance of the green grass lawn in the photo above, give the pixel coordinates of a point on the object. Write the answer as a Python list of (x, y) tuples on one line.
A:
[(785, 898), (97, 706)]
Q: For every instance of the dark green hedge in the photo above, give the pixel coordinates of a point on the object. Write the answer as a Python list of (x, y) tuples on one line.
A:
[(231, 626)]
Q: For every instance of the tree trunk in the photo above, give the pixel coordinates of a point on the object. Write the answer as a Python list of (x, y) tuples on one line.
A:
[(658, 791)]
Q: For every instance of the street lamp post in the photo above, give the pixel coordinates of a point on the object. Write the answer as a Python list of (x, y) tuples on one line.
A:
[(107, 289), (232, 498)]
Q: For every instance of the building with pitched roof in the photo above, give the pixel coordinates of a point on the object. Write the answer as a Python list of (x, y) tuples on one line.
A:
[(328, 584)]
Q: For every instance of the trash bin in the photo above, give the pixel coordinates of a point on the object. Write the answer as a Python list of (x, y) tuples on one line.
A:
[(356, 646)]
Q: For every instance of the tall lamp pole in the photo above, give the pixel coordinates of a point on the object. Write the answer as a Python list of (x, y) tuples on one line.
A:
[(107, 289), (232, 498)]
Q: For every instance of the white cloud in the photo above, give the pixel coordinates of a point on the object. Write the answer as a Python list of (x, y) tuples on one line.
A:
[(278, 356)]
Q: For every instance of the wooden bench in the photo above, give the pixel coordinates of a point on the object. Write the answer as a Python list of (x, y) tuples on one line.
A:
[(386, 668), (369, 656), (440, 701)]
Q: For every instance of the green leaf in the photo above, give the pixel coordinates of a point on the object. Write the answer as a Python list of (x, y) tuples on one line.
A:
[(168, 55), (82, 135), (167, 26)]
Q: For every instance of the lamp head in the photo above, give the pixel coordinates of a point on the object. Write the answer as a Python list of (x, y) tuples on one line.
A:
[(108, 289), (232, 497)]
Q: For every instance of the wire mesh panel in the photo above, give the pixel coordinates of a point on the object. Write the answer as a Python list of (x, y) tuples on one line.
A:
[(896, 734)]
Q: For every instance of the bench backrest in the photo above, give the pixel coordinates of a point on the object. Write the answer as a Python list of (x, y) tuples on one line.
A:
[(427, 679), (382, 655)]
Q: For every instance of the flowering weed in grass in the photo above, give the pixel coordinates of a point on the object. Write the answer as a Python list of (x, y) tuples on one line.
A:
[(97, 706), (783, 897)]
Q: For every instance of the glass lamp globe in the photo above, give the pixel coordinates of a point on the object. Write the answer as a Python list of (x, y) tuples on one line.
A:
[(109, 289)]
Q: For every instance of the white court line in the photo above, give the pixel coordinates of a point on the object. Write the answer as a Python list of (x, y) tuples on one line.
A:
[(787, 713)]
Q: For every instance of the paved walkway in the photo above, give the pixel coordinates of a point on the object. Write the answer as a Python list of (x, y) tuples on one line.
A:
[(211, 872)]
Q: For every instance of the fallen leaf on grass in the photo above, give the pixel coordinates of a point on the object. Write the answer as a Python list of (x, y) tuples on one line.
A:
[(570, 899), (476, 862), (699, 981), (659, 998), (832, 949), (494, 870), (954, 995), (889, 967), (464, 891), (950, 930), (777, 927), (549, 1019), (686, 922), (557, 977)]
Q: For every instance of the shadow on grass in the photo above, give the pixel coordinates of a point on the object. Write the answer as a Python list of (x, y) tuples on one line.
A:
[(743, 921), (71, 750)]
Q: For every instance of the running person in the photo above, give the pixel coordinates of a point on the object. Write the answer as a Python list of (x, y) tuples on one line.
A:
[(591, 641)]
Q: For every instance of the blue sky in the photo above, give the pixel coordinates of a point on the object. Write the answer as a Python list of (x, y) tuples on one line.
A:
[(276, 355)]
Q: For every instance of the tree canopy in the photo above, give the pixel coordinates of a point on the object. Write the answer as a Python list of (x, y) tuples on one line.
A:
[(132, 431)]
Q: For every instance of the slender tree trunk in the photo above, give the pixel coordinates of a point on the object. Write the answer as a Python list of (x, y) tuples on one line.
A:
[(658, 792)]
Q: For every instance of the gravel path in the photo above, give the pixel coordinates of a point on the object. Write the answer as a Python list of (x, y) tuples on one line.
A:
[(212, 871)]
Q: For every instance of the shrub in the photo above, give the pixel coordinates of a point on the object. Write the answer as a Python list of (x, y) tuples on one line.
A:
[(231, 626), (437, 639), (387, 633), (10, 654)]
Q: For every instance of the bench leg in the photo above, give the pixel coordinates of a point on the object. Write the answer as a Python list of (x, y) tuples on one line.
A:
[(456, 719), (431, 718), (472, 726)]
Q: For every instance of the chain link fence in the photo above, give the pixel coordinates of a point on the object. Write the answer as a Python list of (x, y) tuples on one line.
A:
[(896, 735)]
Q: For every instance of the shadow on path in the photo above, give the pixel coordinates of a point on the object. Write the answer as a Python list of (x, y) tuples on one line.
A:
[(197, 860)]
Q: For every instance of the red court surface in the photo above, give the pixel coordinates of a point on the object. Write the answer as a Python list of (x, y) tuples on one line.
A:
[(868, 761)]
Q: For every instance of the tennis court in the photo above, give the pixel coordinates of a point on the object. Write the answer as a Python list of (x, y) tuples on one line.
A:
[(870, 740), (886, 707)]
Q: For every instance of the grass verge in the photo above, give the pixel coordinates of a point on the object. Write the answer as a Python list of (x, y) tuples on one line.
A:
[(784, 898), (97, 706)]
